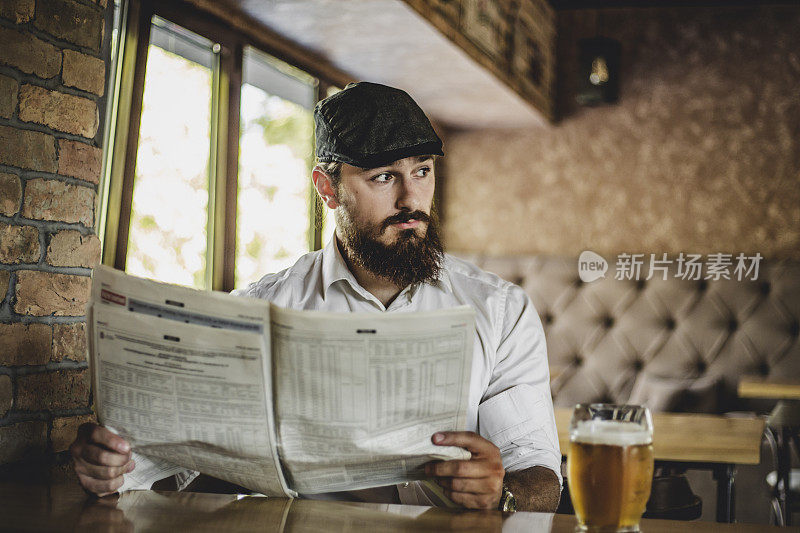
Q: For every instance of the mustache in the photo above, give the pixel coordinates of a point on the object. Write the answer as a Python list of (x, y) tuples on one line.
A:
[(405, 216)]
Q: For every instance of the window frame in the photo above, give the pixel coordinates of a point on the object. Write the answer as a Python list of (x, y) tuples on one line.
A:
[(125, 108)]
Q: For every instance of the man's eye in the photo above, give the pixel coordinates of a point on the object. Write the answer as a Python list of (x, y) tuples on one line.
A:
[(382, 178), (423, 172)]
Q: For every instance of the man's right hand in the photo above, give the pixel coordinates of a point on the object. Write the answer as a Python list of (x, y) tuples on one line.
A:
[(101, 458)]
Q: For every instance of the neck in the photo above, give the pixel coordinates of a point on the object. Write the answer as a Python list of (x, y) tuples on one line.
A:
[(384, 290)]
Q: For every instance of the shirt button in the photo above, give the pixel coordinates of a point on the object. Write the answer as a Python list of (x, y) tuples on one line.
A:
[(405, 485)]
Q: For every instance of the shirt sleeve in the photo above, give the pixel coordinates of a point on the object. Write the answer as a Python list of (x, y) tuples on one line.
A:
[(516, 412)]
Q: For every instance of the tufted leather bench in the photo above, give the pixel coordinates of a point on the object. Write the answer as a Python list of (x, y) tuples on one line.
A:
[(620, 340)]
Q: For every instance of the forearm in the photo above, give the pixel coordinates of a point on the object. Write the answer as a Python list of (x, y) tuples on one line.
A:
[(535, 489)]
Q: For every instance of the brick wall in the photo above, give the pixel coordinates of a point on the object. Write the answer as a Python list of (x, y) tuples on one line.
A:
[(52, 80)]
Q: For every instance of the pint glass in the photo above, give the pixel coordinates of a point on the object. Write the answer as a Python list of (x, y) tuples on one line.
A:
[(610, 465)]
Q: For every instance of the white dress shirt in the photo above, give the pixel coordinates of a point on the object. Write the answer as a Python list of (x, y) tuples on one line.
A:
[(509, 396)]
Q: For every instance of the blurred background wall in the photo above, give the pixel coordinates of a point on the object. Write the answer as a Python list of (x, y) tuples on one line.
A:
[(700, 153)]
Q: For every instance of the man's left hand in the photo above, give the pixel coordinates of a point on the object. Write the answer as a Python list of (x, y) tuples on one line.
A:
[(475, 484)]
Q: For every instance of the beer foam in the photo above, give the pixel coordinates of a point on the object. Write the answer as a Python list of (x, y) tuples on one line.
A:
[(610, 432)]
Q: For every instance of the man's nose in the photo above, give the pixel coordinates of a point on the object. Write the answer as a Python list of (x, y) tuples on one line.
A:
[(408, 194)]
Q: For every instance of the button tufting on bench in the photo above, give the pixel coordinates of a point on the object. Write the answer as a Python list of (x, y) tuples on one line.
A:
[(688, 328)]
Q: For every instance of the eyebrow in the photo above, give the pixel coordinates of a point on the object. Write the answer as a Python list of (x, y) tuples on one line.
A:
[(419, 159)]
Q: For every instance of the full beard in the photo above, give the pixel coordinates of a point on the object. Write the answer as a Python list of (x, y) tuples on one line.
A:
[(411, 258)]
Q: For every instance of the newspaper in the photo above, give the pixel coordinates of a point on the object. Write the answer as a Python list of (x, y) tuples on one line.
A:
[(278, 401)]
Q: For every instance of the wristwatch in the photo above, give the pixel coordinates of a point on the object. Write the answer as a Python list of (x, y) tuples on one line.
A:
[(508, 503)]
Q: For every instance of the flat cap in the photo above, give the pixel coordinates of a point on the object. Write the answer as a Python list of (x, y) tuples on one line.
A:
[(368, 125)]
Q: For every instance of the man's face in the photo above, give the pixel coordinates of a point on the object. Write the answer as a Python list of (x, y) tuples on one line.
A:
[(384, 200), (384, 219)]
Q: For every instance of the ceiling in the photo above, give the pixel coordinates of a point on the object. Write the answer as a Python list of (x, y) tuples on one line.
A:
[(386, 41)]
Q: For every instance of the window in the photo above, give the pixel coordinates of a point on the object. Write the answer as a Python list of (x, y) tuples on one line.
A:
[(167, 240), (209, 152), (275, 205)]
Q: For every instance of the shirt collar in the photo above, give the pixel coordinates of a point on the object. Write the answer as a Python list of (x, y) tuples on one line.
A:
[(443, 279), (334, 268)]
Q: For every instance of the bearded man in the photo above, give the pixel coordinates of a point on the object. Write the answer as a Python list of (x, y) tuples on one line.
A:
[(376, 153)]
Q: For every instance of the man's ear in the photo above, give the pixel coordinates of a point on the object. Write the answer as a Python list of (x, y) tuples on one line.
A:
[(324, 186)]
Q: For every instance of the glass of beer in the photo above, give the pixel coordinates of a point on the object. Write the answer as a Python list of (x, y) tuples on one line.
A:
[(610, 465)]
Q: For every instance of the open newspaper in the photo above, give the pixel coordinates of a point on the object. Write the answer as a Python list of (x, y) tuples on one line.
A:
[(278, 401)]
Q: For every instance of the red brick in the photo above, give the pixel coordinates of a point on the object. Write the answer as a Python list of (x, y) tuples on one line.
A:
[(70, 21), (65, 429), (84, 72), (69, 342), (56, 200), (71, 248), (10, 194), (18, 244), (6, 394), (79, 160), (63, 389), (25, 344), (21, 440), (62, 112), (5, 277), (27, 149), (8, 96), (45, 293), (18, 11), (25, 52)]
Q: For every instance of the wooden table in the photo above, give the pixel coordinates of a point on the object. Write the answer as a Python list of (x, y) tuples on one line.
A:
[(697, 441), (769, 388), (64, 507), (787, 391)]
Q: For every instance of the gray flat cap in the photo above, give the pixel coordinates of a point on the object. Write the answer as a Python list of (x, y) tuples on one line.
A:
[(368, 125)]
